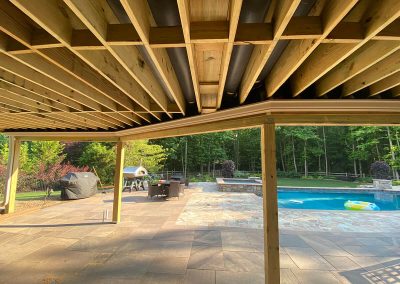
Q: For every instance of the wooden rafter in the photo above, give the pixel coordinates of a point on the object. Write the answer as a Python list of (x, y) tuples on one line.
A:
[(379, 71), (79, 65), (184, 13), (332, 12), (283, 13), (139, 13), (328, 56), (91, 14)]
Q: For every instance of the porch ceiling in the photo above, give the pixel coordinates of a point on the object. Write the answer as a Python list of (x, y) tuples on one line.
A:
[(122, 67)]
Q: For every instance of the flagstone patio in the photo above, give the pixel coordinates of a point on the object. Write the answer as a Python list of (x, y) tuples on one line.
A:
[(204, 237)]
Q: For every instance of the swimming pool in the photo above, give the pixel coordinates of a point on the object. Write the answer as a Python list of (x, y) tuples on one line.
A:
[(303, 199)]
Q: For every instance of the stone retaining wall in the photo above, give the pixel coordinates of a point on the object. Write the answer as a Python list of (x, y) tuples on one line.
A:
[(249, 188)]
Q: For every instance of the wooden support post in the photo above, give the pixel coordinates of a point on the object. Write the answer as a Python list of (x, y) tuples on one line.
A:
[(12, 174), (119, 166), (270, 204)]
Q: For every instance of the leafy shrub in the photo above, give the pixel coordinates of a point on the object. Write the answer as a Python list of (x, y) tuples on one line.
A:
[(228, 169), (380, 170), (49, 175)]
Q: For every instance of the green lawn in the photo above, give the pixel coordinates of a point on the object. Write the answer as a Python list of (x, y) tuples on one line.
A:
[(315, 183), (33, 195)]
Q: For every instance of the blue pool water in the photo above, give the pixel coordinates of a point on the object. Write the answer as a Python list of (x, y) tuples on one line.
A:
[(331, 200)]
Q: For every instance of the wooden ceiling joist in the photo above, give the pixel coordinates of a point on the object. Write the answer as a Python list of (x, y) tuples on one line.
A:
[(78, 65), (331, 12), (385, 84), (184, 13), (327, 57), (140, 15), (284, 11), (144, 82), (52, 26), (378, 71), (365, 57)]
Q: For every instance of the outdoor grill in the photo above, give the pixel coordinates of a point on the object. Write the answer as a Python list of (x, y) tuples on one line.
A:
[(133, 177)]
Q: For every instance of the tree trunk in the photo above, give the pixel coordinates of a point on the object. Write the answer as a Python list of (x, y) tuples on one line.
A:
[(395, 172), (305, 159), (213, 172), (354, 161), (377, 152), (294, 156), (282, 160), (319, 163), (325, 151), (360, 168)]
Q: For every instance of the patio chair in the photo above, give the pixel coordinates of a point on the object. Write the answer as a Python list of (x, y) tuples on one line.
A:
[(174, 189), (154, 190), (182, 189)]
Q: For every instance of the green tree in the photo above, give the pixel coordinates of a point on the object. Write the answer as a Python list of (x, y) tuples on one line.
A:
[(44, 152), (150, 156), (101, 157)]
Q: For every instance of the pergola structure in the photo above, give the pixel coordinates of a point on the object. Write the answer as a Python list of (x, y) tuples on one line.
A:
[(119, 70)]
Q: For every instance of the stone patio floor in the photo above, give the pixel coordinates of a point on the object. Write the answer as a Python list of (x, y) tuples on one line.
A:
[(204, 237)]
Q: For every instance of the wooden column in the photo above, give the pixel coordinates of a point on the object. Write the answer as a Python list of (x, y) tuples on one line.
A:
[(270, 204), (119, 166), (12, 174)]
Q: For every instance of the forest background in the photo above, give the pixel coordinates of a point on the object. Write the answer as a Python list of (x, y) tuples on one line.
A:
[(302, 152)]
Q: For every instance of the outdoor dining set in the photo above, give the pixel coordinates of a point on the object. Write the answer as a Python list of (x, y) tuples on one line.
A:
[(166, 188)]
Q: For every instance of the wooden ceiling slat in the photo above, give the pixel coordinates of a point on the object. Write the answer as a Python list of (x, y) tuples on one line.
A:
[(259, 57), (298, 51), (184, 13), (378, 17), (43, 66), (140, 15), (45, 84), (90, 13), (72, 65), (51, 24), (233, 24), (376, 72), (395, 91), (385, 84), (368, 55)]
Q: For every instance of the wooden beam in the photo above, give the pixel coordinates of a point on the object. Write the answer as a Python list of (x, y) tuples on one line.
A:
[(385, 84), (209, 31), (270, 204), (283, 112), (365, 57), (377, 18), (58, 25), (379, 71), (34, 77), (391, 32), (303, 27), (139, 13), (254, 33), (283, 13), (184, 13), (298, 51), (347, 112), (122, 34), (118, 181), (234, 15), (144, 87), (395, 91), (12, 174)]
